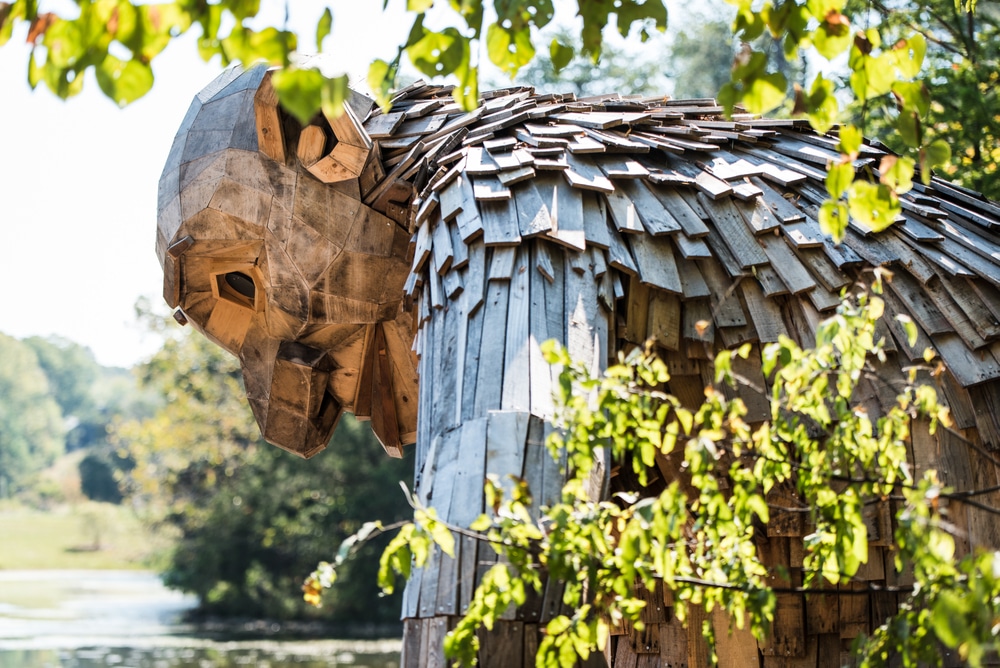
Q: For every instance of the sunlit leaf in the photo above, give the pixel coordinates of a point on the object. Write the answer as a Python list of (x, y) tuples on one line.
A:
[(323, 28)]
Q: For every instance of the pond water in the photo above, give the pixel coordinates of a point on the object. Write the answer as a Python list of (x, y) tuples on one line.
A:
[(126, 619)]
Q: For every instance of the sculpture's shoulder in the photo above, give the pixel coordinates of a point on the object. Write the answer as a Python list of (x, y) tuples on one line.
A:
[(684, 200)]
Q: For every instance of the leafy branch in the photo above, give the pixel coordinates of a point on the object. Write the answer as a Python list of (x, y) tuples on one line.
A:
[(699, 536)]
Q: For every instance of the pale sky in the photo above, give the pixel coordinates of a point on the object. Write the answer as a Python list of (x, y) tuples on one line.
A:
[(78, 181)]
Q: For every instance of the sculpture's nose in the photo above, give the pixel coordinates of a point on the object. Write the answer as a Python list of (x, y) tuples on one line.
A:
[(299, 413)]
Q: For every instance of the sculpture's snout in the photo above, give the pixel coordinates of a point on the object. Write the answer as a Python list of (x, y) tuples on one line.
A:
[(298, 412)]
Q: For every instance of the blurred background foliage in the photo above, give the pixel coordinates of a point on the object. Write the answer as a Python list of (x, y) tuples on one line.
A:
[(173, 442)]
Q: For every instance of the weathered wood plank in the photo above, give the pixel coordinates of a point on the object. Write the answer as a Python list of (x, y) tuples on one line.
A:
[(786, 265), (566, 206), (655, 218), (533, 216), (734, 232), (679, 208), (489, 380), (516, 393), (500, 223), (664, 319), (656, 262)]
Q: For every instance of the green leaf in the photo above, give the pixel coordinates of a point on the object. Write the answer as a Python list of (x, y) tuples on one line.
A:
[(912, 96), (821, 105), (335, 93), (897, 173), (419, 5), (948, 618), (850, 140), (938, 153), (910, 55), (833, 219), (764, 93), (909, 128), (124, 81), (323, 28), (560, 54), (299, 91), (839, 179), (833, 36), (381, 79), (909, 326), (438, 53), (509, 50), (876, 206)]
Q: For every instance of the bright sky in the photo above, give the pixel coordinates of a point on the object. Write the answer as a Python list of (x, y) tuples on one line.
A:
[(78, 186), (78, 182)]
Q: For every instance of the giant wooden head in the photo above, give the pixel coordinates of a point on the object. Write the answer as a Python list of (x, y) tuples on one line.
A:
[(268, 249)]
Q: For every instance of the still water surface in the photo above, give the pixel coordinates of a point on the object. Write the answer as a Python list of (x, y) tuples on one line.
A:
[(120, 619)]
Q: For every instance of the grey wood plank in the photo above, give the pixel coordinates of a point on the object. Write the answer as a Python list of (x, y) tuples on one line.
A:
[(540, 373), (555, 295), (786, 265), (436, 286), (442, 595), (764, 312), (441, 246), (422, 246), (782, 207), (696, 322), (770, 283), (502, 263), (459, 249), (470, 368), (757, 215), (452, 283), (533, 216), (453, 198), (692, 282), (624, 213), (655, 218), (566, 206), (506, 434), (619, 256), (581, 315), (582, 174), (920, 305), (516, 366), (595, 217), (486, 188), (679, 208), (734, 232), (500, 226), (726, 307), (489, 380), (467, 503), (656, 262), (664, 319), (968, 367), (543, 261), (692, 248)]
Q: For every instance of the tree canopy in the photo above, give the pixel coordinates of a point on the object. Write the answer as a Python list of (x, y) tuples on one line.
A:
[(31, 426), (250, 519)]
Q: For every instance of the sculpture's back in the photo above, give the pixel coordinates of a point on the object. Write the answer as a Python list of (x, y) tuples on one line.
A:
[(599, 223)]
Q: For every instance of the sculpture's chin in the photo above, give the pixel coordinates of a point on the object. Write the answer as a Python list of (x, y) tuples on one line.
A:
[(296, 410), (288, 430)]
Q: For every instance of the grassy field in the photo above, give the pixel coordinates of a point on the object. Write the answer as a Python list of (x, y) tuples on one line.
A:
[(85, 535)]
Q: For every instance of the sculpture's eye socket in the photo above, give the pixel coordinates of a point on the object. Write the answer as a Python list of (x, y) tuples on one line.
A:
[(242, 284), (237, 288)]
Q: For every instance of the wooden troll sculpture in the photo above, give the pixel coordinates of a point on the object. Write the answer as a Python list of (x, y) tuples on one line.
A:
[(344, 260)]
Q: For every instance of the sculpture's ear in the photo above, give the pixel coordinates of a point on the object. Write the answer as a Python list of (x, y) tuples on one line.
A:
[(332, 149)]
